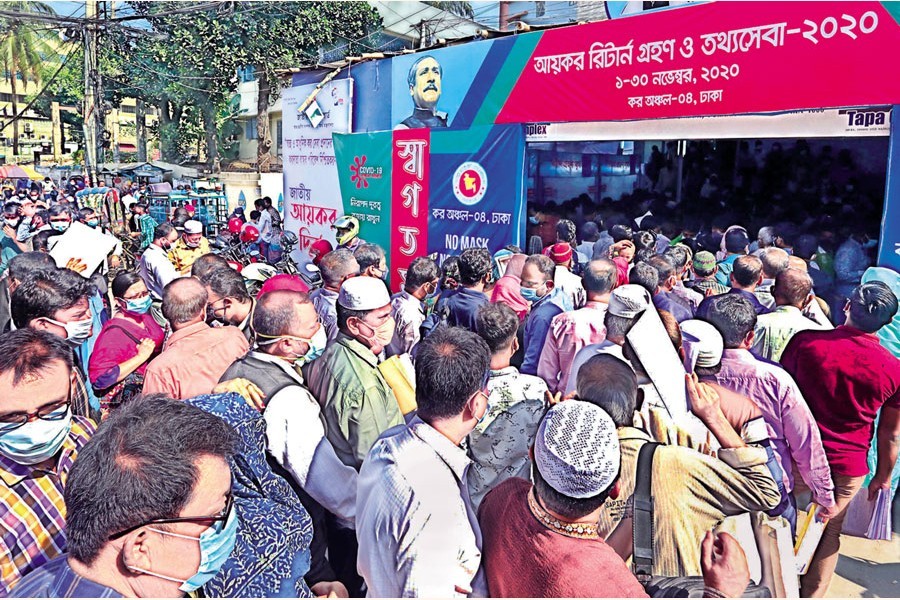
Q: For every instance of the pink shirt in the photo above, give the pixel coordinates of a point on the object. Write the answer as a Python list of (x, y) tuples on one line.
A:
[(795, 435), (193, 360), (569, 333)]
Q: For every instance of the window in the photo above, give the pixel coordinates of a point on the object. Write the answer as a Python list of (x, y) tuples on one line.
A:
[(246, 74), (250, 129), (278, 138), (540, 9), (130, 110)]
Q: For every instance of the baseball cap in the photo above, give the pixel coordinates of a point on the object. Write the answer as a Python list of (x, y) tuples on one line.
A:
[(576, 449)]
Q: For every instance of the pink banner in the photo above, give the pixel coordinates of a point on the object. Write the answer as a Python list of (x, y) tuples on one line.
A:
[(409, 200), (712, 59)]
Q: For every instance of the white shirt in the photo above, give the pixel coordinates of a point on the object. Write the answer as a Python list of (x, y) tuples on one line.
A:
[(418, 534), (296, 435), (156, 270), (570, 283), (408, 313), (265, 226)]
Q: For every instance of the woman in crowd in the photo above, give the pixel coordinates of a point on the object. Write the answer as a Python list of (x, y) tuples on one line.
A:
[(126, 343)]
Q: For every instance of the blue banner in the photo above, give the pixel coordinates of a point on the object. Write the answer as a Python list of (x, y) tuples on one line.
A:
[(476, 196)]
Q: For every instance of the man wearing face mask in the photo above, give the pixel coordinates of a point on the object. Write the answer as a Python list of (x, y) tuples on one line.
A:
[(8, 244), (132, 532), (408, 306), (39, 441), (189, 247), (358, 403), (546, 302), (58, 301), (60, 218), (289, 336), (418, 532), (229, 302), (372, 262)]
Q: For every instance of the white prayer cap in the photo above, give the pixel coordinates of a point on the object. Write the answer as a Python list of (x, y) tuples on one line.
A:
[(577, 449), (191, 227), (363, 293), (629, 301), (709, 343)]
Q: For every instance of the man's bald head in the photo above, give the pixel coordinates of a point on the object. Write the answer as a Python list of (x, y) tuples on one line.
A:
[(795, 262), (184, 302), (792, 288), (276, 313), (338, 265)]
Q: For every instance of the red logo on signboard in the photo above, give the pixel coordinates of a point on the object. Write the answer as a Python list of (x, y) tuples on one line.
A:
[(362, 173), (469, 183)]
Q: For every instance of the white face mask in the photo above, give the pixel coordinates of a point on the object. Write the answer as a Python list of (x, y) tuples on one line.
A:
[(77, 332)]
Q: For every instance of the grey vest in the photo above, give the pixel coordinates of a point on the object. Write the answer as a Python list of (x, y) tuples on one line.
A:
[(268, 377)]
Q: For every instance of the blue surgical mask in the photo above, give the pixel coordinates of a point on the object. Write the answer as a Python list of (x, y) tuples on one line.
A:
[(534, 220), (139, 306), (38, 440), (316, 347), (216, 544), (530, 294), (870, 244), (59, 225), (92, 223)]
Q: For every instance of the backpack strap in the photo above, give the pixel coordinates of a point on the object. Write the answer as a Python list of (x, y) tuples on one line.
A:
[(642, 560)]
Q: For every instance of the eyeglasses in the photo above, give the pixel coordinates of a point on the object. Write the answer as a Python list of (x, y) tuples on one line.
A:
[(53, 412), (206, 521)]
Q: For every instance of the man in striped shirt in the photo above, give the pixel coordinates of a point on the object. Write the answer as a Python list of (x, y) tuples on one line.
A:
[(39, 441)]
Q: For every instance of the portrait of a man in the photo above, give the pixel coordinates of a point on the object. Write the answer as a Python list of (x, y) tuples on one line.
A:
[(424, 79)]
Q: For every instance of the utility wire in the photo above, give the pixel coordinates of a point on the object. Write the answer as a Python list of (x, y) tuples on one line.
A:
[(37, 96)]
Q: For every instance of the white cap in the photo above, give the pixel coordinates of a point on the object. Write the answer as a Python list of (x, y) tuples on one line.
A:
[(191, 227), (709, 344), (363, 293), (576, 449), (629, 301)]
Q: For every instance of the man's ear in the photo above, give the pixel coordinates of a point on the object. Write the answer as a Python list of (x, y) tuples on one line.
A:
[(136, 551), (760, 280), (639, 403), (615, 489), (751, 335), (549, 284)]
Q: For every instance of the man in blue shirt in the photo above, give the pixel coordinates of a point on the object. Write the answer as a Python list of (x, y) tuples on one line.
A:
[(474, 275), (736, 244), (546, 302), (745, 276)]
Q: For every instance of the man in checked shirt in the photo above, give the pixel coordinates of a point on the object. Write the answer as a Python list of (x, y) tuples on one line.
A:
[(39, 441)]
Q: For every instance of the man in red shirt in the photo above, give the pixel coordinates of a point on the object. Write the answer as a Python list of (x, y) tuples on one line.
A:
[(541, 541), (846, 377)]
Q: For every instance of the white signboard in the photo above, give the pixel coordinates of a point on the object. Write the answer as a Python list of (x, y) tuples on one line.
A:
[(312, 193), (844, 122)]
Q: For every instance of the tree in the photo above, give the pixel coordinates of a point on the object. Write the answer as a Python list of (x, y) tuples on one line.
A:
[(462, 9), (284, 34), (20, 54)]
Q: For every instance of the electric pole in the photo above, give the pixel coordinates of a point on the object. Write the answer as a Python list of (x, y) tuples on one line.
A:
[(91, 109)]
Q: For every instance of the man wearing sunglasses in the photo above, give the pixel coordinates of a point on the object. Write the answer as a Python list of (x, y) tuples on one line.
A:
[(39, 441), (289, 335), (150, 510)]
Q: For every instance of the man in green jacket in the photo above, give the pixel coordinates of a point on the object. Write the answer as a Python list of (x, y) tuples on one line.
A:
[(357, 402)]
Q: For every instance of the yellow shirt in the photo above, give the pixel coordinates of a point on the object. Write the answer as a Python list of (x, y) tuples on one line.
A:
[(183, 257)]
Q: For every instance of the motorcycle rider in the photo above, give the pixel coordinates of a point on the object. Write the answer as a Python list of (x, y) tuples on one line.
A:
[(347, 233)]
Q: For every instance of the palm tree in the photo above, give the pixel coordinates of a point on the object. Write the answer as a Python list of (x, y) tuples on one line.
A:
[(462, 9), (20, 52)]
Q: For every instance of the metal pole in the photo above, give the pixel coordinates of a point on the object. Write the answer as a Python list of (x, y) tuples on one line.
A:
[(90, 110)]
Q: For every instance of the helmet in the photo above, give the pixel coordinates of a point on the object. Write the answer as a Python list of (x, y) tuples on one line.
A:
[(259, 272), (318, 249), (347, 228), (249, 234), (235, 224), (289, 238)]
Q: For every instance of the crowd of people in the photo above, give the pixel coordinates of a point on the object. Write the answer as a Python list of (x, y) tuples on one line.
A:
[(484, 431)]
